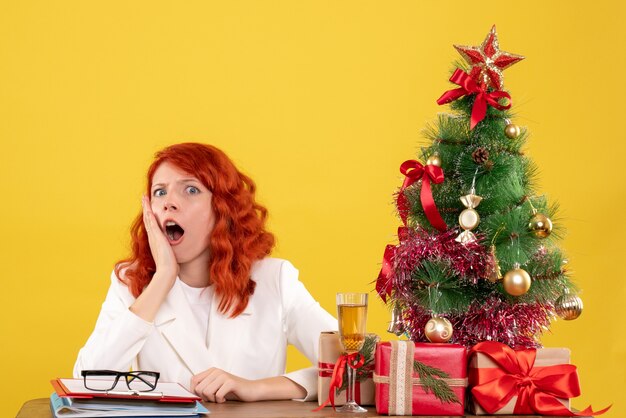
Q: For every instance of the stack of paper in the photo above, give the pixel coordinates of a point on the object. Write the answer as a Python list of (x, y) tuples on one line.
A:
[(71, 399)]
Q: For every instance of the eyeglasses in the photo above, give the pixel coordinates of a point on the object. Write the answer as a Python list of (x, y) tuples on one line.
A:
[(106, 380)]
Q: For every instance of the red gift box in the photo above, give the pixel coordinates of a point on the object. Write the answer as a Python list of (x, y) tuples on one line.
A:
[(399, 389), (530, 381)]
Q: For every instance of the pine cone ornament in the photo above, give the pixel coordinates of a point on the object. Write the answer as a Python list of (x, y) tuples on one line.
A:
[(480, 155)]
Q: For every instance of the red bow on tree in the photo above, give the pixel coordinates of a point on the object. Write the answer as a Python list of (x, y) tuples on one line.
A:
[(414, 170), (536, 388), (483, 98), (384, 283)]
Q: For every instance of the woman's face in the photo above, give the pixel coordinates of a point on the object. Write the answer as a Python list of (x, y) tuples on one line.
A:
[(182, 206)]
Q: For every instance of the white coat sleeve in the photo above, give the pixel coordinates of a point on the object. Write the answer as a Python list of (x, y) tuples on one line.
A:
[(118, 336), (304, 320)]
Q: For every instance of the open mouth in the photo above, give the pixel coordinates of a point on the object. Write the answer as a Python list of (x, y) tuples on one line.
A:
[(173, 231)]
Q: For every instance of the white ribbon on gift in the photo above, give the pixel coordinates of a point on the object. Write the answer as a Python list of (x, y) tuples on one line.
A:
[(401, 394)]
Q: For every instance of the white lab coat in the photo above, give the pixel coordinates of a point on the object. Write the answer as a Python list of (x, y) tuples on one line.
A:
[(253, 345)]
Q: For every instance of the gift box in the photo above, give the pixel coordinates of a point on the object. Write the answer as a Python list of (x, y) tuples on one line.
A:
[(329, 353), (506, 381), (420, 378)]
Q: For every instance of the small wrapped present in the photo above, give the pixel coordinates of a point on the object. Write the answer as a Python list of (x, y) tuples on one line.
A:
[(329, 355), (504, 381), (420, 379)]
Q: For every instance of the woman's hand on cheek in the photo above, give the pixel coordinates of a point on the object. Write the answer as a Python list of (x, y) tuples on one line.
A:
[(164, 258), (216, 385)]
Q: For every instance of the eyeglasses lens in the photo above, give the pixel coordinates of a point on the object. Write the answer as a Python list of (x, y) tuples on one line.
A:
[(100, 381), (141, 382)]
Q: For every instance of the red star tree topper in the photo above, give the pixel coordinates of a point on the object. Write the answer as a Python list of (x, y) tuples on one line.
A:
[(488, 61)]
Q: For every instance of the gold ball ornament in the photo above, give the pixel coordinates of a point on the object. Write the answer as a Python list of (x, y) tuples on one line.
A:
[(540, 225), (438, 330), (512, 131), (516, 282), (434, 159), (568, 306)]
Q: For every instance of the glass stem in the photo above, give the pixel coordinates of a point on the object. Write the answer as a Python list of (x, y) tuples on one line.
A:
[(350, 388)]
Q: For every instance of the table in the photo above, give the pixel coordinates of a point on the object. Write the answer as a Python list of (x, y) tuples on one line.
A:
[(40, 408)]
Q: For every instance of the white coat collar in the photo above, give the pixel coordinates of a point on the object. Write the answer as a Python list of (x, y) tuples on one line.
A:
[(177, 324)]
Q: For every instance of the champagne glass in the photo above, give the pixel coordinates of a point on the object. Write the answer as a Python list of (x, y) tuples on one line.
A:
[(352, 313)]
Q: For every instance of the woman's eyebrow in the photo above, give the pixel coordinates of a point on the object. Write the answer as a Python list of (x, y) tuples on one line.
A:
[(185, 180)]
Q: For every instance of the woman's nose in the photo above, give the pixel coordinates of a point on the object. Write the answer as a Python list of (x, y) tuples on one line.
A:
[(170, 205)]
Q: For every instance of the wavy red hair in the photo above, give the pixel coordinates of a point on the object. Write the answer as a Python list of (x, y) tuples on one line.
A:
[(238, 238)]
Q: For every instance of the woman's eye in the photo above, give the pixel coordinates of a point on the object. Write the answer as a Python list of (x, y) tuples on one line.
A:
[(158, 193), (193, 190)]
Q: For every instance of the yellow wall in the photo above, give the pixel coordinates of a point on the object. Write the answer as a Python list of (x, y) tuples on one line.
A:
[(319, 101)]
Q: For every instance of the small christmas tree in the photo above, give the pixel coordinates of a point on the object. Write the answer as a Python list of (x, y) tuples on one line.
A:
[(477, 257)]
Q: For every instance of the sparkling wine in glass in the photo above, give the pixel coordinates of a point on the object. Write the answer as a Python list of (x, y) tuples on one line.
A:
[(352, 313)]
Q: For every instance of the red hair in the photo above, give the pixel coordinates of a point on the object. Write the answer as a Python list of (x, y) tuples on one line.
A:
[(238, 238)]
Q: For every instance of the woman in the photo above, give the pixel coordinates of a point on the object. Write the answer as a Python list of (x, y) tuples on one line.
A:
[(199, 300)]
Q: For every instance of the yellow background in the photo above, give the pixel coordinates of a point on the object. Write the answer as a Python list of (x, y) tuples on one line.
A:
[(320, 102)]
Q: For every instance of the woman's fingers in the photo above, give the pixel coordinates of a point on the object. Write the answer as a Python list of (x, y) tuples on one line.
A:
[(152, 229), (216, 385), (225, 388), (197, 379), (209, 386), (148, 218), (160, 248)]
